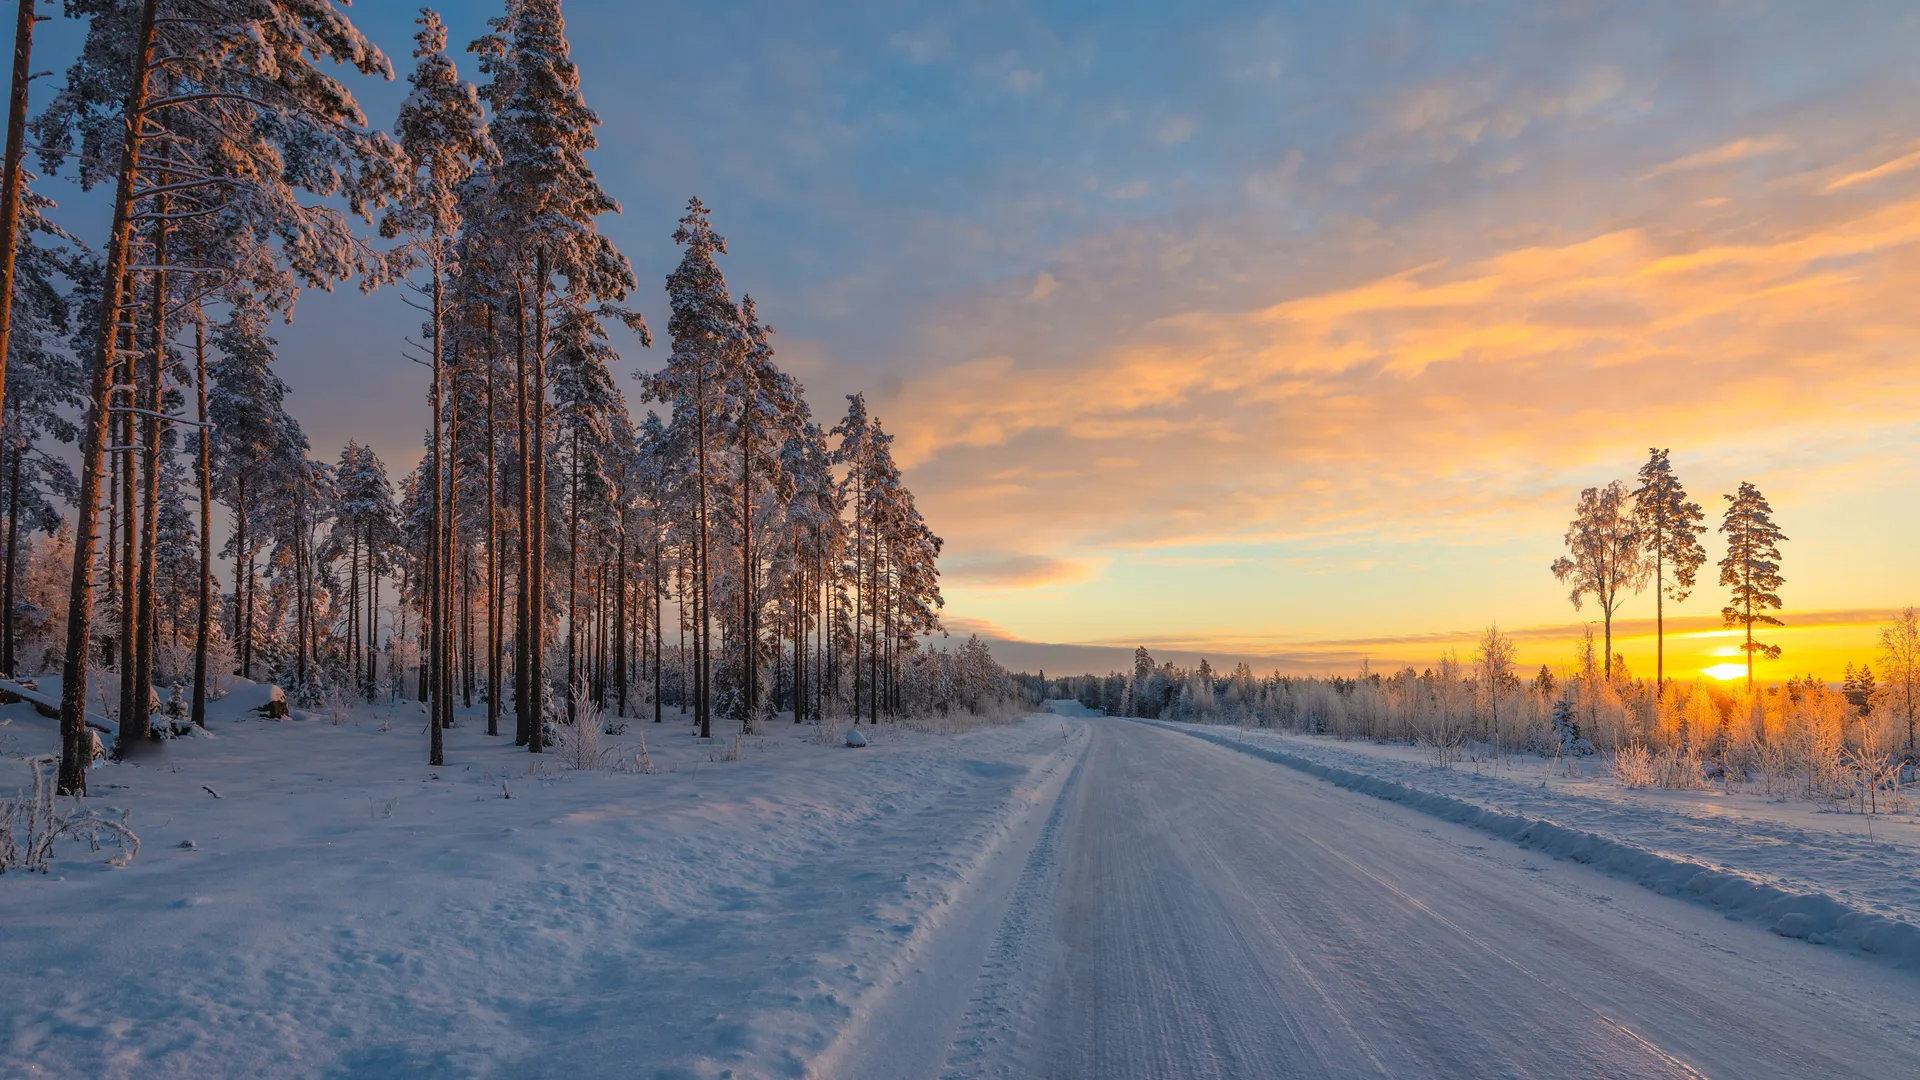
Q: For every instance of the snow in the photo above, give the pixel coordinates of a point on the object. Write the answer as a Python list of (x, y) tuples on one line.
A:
[(341, 909), (1064, 895), (1804, 873)]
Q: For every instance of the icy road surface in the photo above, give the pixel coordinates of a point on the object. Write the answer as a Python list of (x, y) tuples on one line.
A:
[(1190, 911)]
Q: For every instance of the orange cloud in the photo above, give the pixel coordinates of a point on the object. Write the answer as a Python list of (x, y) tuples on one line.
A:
[(1441, 398), (1724, 154), (1890, 168)]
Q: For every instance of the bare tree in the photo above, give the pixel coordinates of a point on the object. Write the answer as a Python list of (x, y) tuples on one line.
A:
[(1900, 667), (1605, 557), (1493, 663)]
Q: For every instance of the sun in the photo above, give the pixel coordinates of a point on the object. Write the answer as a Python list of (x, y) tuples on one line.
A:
[(1725, 672)]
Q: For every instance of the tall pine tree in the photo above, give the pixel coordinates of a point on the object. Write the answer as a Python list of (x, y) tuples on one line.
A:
[(1751, 569)]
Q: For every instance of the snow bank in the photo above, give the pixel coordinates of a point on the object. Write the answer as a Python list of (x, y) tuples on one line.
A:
[(1812, 916)]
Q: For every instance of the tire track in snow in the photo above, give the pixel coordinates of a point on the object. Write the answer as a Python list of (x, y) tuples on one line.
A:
[(989, 1040)]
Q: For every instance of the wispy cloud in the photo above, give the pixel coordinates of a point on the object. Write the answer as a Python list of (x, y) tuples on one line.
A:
[(1898, 165), (1014, 571), (1724, 154)]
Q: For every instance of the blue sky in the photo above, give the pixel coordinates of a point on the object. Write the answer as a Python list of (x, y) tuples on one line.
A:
[(1279, 330)]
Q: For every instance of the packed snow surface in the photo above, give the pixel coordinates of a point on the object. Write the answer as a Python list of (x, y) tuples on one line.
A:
[(344, 910), (1064, 896)]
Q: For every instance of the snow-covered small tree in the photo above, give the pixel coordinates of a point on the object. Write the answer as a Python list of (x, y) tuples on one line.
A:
[(1604, 557)]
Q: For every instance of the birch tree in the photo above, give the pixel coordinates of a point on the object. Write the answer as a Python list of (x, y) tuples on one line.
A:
[(1605, 555)]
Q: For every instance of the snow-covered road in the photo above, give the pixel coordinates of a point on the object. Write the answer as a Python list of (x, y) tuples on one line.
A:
[(1197, 912)]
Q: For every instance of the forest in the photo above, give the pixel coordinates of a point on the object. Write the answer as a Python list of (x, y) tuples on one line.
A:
[(727, 555), (1852, 744)]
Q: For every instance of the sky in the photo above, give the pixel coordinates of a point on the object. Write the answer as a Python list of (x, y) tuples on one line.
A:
[(1285, 333)]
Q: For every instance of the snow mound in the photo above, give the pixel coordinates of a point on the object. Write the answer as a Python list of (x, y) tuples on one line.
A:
[(1811, 916), (854, 738)]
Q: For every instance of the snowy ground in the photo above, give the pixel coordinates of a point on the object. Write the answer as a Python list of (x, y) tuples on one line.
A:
[(346, 911), (1869, 864), (1060, 897)]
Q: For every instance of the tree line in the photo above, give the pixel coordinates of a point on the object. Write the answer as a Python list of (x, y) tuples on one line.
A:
[(728, 552)]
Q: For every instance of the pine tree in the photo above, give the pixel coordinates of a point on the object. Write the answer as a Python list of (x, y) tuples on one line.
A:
[(12, 180), (238, 82), (1606, 553), (544, 203), (445, 137), (1669, 530), (40, 385), (706, 329), (1751, 569)]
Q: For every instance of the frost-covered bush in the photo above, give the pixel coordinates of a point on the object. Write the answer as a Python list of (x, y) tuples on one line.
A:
[(31, 821), (580, 743)]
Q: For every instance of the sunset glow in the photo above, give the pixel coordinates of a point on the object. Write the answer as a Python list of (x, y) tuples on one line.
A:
[(1299, 349)]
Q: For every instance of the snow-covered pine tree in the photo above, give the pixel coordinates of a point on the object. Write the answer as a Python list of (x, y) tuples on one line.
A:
[(1670, 528), (364, 533), (244, 118), (705, 326), (444, 136), (544, 203), (1751, 568), (41, 392), (12, 181)]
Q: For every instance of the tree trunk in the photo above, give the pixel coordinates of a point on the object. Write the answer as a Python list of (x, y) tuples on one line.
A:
[(537, 539), (659, 613), (450, 547), (433, 618), (524, 710), (620, 621), (203, 620), (150, 467), (75, 743), (7, 658), (132, 726), (573, 573), (10, 182)]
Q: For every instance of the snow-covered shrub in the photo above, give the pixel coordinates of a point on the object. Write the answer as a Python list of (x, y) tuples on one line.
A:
[(826, 729), (580, 745), (731, 751), (1680, 769), (1633, 766), (31, 821)]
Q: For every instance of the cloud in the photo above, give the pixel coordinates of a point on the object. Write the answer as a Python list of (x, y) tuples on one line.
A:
[(1009, 570), (1173, 131), (1445, 399), (1724, 154), (1043, 286), (1025, 81), (1890, 168)]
